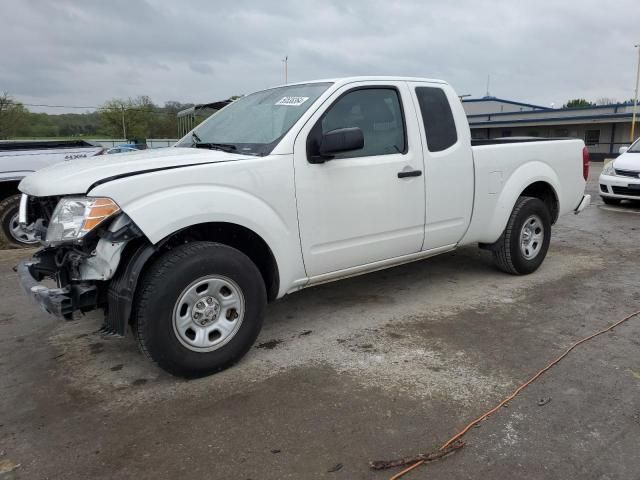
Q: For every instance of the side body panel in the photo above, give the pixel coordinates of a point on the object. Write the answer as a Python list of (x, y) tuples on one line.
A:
[(503, 172), (256, 193), (449, 176), (357, 211)]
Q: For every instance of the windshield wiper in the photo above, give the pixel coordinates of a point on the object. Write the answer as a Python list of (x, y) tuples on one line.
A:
[(195, 137), (225, 147)]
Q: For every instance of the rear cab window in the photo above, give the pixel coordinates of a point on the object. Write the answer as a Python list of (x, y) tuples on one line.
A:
[(437, 118)]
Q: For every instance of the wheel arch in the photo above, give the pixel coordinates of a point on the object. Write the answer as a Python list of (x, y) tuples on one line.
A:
[(544, 191), (536, 179), (239, 237), (8, 188), (139, 254)]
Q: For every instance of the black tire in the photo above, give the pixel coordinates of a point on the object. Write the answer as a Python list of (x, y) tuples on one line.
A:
[(507, 253), (162, 286), (9, 208), (611, 201)]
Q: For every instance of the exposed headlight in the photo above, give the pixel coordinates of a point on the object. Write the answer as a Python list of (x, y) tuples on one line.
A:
[(608, 169), (74, 217)]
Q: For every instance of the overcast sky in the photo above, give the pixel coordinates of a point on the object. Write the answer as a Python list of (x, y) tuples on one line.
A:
[(539, 51)]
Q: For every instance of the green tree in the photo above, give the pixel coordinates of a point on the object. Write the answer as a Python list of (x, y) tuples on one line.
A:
[(577, 103), (165, 122), (133, 116), (13, 116)]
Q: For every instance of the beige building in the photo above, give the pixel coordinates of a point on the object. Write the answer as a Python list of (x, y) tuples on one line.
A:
[(604, 128)]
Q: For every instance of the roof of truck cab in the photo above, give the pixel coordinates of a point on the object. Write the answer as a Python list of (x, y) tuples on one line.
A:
[(345, 80)]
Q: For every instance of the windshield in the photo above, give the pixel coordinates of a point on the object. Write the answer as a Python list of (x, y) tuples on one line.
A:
[(255, 124), (635, 148)]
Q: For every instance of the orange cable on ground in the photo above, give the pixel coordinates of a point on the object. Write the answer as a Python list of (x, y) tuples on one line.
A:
[(454, 443)]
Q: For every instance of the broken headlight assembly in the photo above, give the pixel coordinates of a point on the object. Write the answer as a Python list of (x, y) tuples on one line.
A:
[(74, 217)]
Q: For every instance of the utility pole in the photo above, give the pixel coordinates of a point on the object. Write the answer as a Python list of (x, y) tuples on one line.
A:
[(124, 128), (635, 99), (285, 60)]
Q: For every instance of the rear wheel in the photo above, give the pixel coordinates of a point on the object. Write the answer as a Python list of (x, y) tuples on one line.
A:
[(524, 243), (11, 231), (611, 201), (199, 309)]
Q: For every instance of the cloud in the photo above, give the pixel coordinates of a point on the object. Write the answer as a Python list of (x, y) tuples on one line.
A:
[(83, 53), (201, 67)]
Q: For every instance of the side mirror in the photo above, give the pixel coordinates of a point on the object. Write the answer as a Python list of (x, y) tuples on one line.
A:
[(623, 150), (341, 140)]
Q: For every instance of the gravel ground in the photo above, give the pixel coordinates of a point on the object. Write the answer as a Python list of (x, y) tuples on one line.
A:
[(383, 365)]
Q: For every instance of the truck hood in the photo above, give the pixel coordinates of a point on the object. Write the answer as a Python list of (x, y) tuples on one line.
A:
[(628, 161), (78, 176)]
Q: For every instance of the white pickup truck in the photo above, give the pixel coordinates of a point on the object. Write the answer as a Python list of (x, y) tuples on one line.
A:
[(281, 190)]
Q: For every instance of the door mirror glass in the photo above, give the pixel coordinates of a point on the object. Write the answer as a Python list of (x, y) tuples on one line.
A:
[(341, 140), (623, 150)]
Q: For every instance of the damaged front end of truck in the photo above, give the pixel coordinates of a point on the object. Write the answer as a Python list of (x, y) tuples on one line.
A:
[(76, 269)]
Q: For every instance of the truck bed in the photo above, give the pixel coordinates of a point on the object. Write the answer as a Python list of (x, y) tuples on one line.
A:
[(504, 167), (12, 145), (503, 140), (19, 158)]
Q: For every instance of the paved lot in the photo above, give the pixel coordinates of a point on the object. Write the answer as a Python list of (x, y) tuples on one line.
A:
[(379, 366)]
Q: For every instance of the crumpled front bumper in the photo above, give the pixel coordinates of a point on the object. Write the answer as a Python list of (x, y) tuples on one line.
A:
[(60, 302)]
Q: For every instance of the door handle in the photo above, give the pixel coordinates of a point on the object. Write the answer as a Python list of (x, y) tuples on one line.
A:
[(409, 173)]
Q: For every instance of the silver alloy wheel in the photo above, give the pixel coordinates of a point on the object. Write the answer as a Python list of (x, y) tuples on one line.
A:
[(20, 234), (208, 313), (531, 237)]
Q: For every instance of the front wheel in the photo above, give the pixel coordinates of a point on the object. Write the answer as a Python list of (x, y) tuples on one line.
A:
[(524, 243), (11, 230), (199, 308)]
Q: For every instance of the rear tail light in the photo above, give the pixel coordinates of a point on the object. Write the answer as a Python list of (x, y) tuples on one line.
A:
[(585, 163)]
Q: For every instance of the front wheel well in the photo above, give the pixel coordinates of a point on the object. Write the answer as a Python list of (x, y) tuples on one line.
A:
[(8, 188), (240, 238), (547, 194)]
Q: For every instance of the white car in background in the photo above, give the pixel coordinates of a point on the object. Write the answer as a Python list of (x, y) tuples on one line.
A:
[(620, 178)]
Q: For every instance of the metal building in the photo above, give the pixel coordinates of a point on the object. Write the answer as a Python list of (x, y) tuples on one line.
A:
[(604, 128)]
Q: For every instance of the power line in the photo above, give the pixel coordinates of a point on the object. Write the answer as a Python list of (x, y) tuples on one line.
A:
[(49, 106)]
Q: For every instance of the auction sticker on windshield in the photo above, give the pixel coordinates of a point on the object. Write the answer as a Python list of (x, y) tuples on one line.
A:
[(292, 101)]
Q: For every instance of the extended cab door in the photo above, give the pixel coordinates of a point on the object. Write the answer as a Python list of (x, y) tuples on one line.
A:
[(365, 205), (449, 172)]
